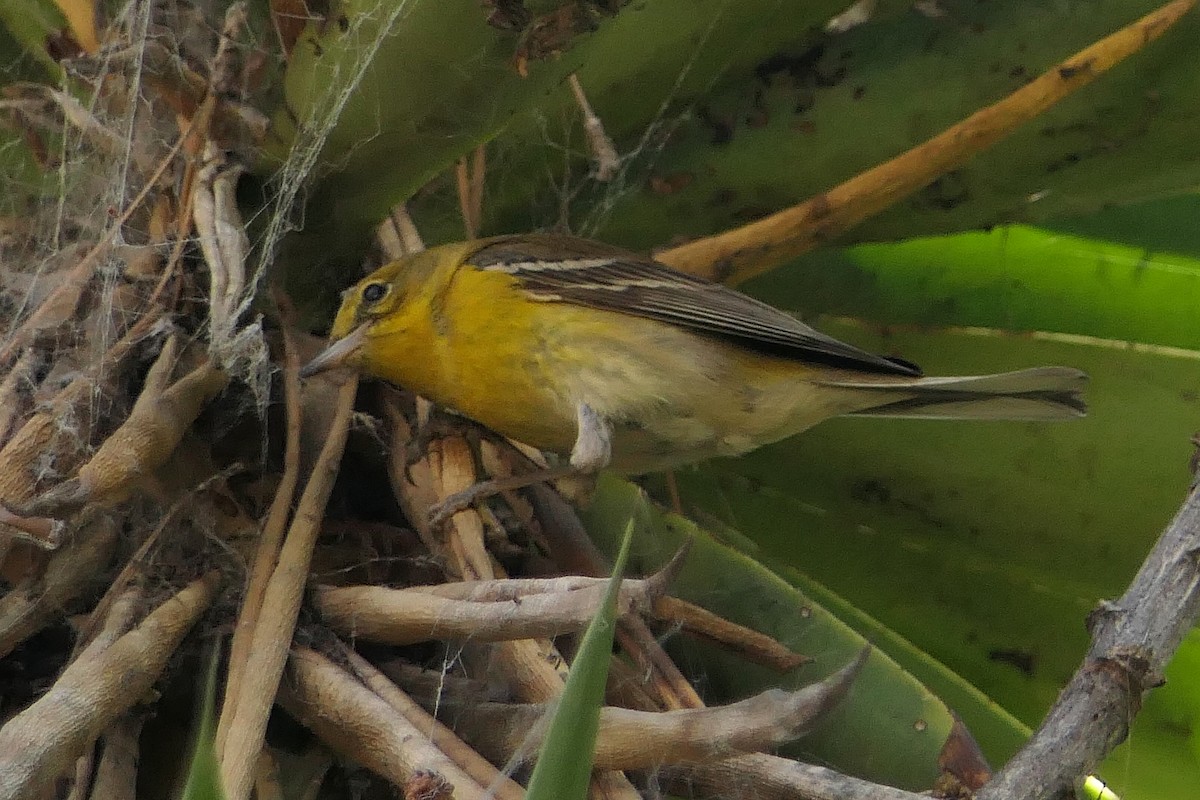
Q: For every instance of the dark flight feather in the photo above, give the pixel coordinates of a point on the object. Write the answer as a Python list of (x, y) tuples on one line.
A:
[(569, 270)]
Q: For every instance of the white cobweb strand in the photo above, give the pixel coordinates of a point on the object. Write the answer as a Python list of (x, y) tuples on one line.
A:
[(243, 351)]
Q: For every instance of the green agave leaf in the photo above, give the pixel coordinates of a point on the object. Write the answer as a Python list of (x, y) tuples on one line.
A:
[(890, 728), (1017, 278), (29, 23), (985, 544), (394, 92), (564, 766), (820, 110), (1159, 226)]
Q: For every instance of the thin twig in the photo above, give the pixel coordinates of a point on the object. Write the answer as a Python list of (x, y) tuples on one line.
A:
[(604, 153), (280, 607), (274, 526), (1132, 641)]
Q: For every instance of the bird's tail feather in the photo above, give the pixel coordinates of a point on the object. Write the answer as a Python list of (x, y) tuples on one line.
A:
[(1041, 393)]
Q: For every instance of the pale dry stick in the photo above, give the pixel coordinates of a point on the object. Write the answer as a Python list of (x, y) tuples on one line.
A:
[(746, 642), (635, 739), (116, 776), (44, 436), (70, 572), (87, 265), (112, 617), (533, 668), (502, 589), (1132, 641), (604, 153), (398, 235), (284, 593), (741, 253), (573, 550), (402, 616), (758, 776), (441, 737), (469, 181), (353, 720), (39, 743), (223, 241), (267, 554), (267, 785), (453, 469), (412, 482), (142, 443)]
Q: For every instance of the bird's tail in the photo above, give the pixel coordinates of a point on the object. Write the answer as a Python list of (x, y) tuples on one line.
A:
[(1041, 393)]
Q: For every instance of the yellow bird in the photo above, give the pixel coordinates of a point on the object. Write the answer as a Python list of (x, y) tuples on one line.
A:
[(581, 348)]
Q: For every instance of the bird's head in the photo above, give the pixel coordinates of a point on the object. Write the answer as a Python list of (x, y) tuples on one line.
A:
[(383, 306)]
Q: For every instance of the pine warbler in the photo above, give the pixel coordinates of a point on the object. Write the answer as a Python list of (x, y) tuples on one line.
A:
[(580, 348)]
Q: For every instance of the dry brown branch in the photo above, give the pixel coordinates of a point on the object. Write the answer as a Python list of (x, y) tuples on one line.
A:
[(741, 253), (574, 551), (408, 616), (103, 683), (223, 240), (267, 554), (142, 444), (757, 776), (397, 236), (71, 571), (281, 604), (438, 734), (748, 643), (532, 669), (1132, 641), (469, 181), (53, 435), (632, 739), (267, 785), (354, 721), (116, 776)]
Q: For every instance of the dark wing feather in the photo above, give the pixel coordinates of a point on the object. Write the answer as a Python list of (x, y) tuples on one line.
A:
[(565, 269)]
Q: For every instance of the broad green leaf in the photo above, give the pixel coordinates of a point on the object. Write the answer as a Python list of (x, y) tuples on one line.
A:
[(889, 728), (1015, 278), (984, 543), (808, 113), (564, 766), (30, 23)]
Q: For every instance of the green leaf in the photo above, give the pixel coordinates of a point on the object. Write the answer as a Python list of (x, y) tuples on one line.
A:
[(890, 728), (1015, 278), (789, 118), (204, 773), (564, 766)]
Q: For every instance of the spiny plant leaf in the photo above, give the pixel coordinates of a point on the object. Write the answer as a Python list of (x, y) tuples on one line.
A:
[(564, 766)]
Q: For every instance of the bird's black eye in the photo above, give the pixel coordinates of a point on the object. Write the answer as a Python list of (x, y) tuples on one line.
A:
[(374, 292)]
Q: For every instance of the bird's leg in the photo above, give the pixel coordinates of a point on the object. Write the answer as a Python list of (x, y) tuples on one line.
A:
[(590, 454)]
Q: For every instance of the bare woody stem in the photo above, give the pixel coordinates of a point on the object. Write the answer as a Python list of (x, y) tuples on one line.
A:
[(1132, 641)]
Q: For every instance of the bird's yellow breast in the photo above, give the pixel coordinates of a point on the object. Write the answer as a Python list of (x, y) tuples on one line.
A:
[(478, 344)]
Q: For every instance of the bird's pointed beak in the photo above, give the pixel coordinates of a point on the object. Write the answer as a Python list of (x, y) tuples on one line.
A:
[(342, 353)]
